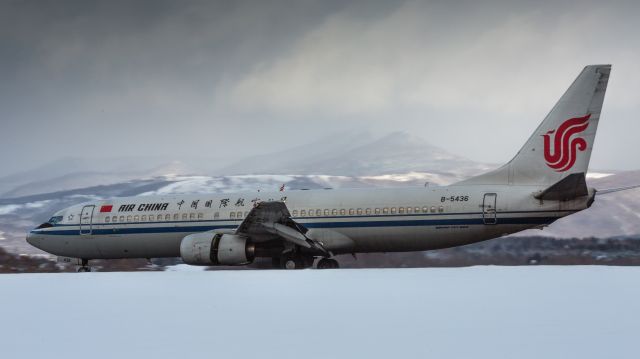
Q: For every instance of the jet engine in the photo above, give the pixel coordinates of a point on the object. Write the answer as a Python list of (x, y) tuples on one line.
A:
[(216, 249)]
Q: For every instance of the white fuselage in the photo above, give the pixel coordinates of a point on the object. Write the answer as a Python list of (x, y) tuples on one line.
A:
[(344, 220)]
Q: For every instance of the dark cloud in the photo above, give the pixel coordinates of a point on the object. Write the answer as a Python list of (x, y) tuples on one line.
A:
[(229, 78)]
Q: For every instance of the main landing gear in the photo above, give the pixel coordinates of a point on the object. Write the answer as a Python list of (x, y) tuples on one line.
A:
[(294, 261), (84, 267), (328, 263), (297, 261)]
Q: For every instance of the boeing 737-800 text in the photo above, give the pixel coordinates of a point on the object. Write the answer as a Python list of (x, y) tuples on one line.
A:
[(543, 182)]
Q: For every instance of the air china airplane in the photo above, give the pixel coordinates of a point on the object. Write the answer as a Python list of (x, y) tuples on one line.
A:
[(545, 181)]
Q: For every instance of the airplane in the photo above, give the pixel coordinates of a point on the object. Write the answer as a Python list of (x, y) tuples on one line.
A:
[(545, 181)]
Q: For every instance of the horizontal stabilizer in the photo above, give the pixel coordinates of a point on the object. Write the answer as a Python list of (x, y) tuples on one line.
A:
[(613, 190), (572, 186)]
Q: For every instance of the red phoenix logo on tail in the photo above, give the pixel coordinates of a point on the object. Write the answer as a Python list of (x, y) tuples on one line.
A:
[(563, 155)]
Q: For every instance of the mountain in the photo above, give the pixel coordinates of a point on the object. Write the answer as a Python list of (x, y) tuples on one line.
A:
[(354, 153), (359, 154), (73, 173)]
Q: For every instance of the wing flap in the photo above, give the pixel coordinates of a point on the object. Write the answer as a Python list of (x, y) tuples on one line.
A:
[(291, 235), (270, 220)]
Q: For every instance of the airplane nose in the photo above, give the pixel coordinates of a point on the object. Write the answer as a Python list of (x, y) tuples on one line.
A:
[(33, 240)]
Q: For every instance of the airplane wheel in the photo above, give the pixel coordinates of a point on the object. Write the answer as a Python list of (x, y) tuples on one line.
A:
[(292, 263), (328, 263), (84, 269)]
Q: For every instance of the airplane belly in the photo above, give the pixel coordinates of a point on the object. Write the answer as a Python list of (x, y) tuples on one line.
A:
[(148, 245), (421, 238), (69, 246)]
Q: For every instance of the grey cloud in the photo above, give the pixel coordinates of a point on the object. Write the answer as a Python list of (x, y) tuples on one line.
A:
[(227, 79)]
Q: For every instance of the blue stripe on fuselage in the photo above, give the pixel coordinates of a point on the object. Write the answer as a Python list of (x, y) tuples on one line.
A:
[(345, 224)]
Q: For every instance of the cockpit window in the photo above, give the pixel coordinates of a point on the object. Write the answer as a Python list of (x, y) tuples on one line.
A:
[(52, 221)]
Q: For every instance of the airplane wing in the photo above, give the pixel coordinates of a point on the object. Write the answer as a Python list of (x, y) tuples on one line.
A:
[(272, 219), (613, 190)]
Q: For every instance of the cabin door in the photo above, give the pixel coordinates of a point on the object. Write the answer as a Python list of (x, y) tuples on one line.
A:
[(489, 208), (86, 218)]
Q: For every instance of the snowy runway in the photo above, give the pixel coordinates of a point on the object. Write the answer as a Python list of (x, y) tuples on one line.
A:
[(486, 312)]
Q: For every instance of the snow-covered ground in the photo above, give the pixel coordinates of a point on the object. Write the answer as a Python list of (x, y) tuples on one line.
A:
[(477, 312)]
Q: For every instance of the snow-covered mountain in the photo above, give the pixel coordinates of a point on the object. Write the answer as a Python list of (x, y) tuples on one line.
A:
[(359, 154), (343, 154)]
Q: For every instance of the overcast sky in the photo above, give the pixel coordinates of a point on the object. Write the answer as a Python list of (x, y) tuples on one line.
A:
[(231, 78)]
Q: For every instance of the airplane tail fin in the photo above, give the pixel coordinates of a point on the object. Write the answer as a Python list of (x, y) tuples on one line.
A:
[(562, 144)]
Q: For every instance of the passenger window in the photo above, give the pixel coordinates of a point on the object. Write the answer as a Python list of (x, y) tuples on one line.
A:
[(107, 219), (192, 216), (440, 209), (303, 213), (401, 210), (144, 218), (343, 212), (128, 218), (433, 209), (136, 218), (318, 212), (295, 213), (239, 215), (216, 215), (232, 215), (114, 219), (121, 219), (359, 211), (167, 217), (334, 212), (176, 217), (368, 211), (409, 210), (425, 209), (185, 217), (351, 212), (200, 216), (377, 210), (310, 213), (417, 209), (385, 210), (326, 212)]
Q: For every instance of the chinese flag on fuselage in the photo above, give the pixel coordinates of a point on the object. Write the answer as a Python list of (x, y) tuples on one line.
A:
[(107, 208)]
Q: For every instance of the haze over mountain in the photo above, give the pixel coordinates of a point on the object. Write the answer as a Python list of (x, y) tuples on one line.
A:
[(358, 154), (344, 154)]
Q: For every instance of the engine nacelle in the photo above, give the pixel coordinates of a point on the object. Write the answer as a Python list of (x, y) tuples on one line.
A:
[(216, 249)]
